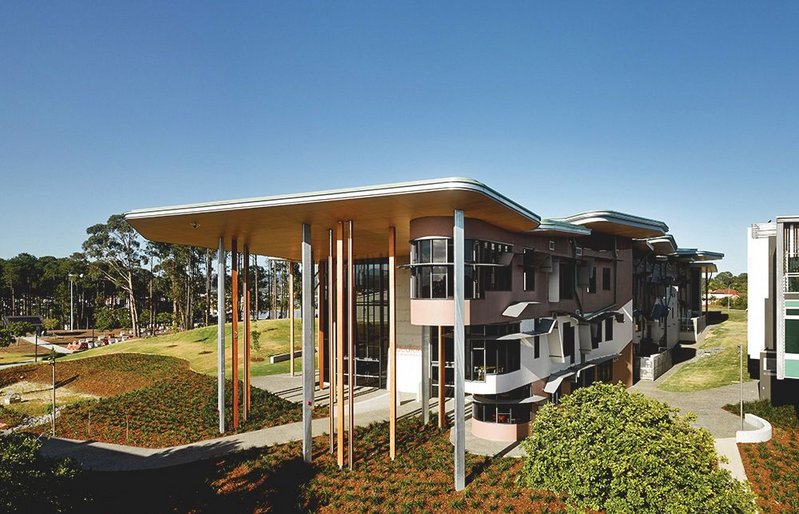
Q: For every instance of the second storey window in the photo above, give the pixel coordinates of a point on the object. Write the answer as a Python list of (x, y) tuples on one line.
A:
[(606, 279), (487, 268), (529, 270), (566, 280)]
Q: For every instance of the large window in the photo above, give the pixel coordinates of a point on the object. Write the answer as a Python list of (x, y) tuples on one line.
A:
[(487, 268), (568, 341), (504, 408), (566, 280), (608, 329), (485, 355), (529, 269), (606, 279), (791, 264), (792, 335), (592, 281)]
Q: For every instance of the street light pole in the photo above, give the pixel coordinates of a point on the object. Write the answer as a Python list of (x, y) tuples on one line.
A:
[(741, 353), (52, 361), (71, 301)]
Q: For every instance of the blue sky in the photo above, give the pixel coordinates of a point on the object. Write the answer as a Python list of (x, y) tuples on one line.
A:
[(681, 111)]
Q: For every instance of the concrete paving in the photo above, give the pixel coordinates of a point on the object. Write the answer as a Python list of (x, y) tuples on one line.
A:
[(707, 406), (48, 346)]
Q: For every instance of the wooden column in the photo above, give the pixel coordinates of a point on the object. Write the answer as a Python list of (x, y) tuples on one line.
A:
[(350, 341), (340, 343), (331, 341), (234, 330), (291, 317), (442, 399), (322, 321), (392, 343), (247, 327)]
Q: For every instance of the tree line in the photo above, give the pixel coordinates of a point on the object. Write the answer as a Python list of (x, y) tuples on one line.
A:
[(119, 280)]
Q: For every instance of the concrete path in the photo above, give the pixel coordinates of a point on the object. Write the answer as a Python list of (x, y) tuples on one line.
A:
[(707, 406), (46, 345)]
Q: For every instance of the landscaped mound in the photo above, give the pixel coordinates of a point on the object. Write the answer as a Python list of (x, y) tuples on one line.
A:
[(620, 452), (104, 375), (149, 400)]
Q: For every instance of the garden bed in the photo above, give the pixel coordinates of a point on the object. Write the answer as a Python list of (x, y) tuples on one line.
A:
[(146, 400), (771, 467), (277, 480)]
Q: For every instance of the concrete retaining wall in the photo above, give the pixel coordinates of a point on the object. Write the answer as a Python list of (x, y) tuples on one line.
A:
[(652, 366), (760, 434)]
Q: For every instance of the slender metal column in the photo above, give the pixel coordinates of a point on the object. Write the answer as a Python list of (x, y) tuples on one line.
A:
[(322, 321), (220, 333), (234, 329), (340, 343), (331, 342), (442, 399), (307, 342), (460, 342), (350, 341), (392, 343), (291, 317), (247, 328), (425, 385)]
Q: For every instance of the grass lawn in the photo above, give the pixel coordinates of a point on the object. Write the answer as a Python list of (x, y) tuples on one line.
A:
[(276, 480), (198, 347), (715, 370), (21, 351), (141, 400), (772, 466)]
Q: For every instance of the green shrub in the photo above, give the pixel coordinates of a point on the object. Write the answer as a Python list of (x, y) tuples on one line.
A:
[(783, 415), (31, 483), (620, 452)]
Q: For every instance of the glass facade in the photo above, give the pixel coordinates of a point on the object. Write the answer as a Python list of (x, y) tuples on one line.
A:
[(487, 268), (485, 355), (504, 408), (371, 318)]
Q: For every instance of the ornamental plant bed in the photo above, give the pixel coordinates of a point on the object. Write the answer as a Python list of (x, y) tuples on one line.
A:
[(419, 480), (105, 375), (161, 403), (771, 467)]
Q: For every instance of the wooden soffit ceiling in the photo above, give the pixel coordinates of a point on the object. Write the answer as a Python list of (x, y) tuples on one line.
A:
[(273, 225)]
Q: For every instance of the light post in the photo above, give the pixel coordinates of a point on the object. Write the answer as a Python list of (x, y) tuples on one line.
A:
[(741, 378), (52, 362), (72, 299)]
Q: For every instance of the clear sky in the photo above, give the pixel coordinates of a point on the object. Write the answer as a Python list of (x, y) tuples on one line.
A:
[(685, 112)]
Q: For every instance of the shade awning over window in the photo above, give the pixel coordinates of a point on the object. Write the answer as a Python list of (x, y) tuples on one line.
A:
[(554, 381), (515, 310), (480, 398)]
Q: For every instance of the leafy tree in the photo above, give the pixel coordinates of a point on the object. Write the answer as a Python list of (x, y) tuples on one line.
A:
[(619, 452), (6, 337), (115, 251), (50, 324)]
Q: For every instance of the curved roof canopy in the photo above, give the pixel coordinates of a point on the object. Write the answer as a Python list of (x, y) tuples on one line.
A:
[(618, 224), (695, 255), (550, 227), (272, 225), (661, 245)]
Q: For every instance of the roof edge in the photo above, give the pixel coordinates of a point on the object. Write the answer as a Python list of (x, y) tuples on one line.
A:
[(419, 186)]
